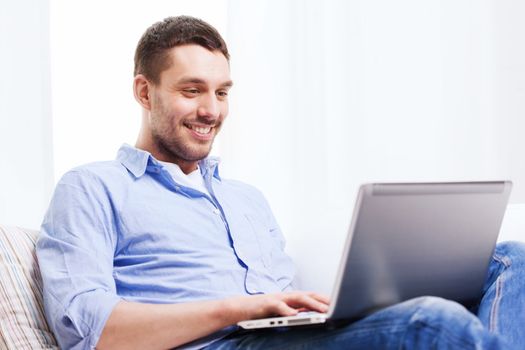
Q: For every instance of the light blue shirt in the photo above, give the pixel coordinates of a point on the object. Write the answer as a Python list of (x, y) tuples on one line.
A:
[(125, 230)]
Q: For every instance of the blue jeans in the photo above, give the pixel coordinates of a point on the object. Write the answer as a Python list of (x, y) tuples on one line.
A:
[(498, 322)]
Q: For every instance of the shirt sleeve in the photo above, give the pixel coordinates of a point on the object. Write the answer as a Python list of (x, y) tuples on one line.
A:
[(75, 252)]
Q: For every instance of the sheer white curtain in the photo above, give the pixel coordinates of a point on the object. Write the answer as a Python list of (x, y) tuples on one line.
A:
[(330, 94), (26, 173), (92, 48)]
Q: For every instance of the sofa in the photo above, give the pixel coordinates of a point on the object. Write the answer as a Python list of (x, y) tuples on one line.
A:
[(22, 321)]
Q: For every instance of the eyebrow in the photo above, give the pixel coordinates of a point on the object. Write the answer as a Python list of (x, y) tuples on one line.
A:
[(193, 80)]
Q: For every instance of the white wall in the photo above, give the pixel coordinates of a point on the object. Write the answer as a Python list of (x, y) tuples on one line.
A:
[(330, 94), (25, 114), (92, 46)]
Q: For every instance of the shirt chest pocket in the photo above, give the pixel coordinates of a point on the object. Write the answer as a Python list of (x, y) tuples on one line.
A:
[(266, 239)]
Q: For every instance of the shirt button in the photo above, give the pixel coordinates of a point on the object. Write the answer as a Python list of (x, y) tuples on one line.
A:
[(177, 188), (216, 211)]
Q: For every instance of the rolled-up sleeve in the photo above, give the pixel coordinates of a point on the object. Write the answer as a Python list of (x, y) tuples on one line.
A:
[(75, 251)]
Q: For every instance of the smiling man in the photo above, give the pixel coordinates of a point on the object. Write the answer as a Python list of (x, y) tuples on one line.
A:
[(155, 250), (185, 106)]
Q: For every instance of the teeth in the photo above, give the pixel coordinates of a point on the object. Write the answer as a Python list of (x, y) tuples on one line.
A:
[(200, 130)]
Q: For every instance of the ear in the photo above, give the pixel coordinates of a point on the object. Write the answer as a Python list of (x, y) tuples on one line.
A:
[(141, 90)]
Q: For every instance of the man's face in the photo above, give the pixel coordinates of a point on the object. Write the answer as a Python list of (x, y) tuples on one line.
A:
[(189, 104)]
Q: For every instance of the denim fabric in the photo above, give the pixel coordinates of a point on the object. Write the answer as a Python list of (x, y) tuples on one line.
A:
[(421, 323)]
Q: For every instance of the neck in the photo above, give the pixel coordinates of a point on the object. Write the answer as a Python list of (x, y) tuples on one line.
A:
[(186, 167)]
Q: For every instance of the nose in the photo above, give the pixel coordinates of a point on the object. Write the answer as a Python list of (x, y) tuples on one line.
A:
[(209, 107)]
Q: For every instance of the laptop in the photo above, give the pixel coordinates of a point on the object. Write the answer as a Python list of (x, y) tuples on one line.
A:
[(408, 240)]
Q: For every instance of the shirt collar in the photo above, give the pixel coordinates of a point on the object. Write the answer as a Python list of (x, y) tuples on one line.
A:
[(137, 161), (210, 165)]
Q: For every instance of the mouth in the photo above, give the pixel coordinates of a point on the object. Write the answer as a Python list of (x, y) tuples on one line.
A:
[(200, 131)]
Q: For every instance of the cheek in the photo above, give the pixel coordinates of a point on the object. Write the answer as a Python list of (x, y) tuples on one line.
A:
[(179, 110), (184, 106), (225, 109)]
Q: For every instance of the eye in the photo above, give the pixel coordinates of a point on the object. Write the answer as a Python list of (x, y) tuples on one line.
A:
[(222, 93), (191, 91)]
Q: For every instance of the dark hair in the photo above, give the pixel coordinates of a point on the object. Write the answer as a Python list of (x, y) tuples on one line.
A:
[(152, 53)]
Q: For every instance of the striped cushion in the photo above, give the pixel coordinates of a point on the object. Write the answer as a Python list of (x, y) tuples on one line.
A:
[(22, 321)]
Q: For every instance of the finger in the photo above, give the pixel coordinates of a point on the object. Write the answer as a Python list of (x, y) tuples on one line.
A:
[(284, 309), (323, 298), (302, 300)]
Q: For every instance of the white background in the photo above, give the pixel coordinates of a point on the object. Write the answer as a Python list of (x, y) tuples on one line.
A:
[(327, 95), (26, 172)]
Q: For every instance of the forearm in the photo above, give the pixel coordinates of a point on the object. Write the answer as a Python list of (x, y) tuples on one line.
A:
[(162, 326)]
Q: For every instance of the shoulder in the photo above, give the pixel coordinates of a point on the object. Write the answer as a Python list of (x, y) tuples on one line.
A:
[(106, 171), (99, 179)]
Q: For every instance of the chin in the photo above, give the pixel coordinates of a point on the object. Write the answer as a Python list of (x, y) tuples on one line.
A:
[(197, 155)]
